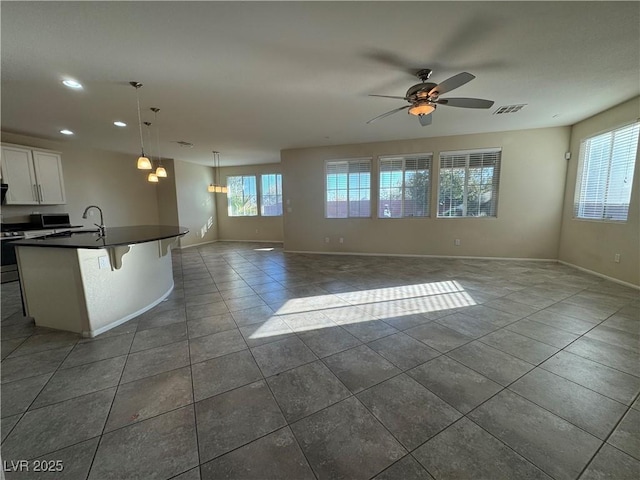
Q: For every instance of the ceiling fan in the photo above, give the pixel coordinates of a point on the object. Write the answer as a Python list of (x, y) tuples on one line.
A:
[(424, 97)]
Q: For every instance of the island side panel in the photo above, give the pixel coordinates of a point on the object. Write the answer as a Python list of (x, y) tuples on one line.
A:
[(116, 295), (52, 287)]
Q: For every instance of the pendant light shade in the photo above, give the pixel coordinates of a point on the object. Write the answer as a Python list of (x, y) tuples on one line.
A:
[(143, 161), (215, 187), (211, 188), (152, 178), (161, 172)]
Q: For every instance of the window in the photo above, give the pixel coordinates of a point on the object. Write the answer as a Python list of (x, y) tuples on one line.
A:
[(605, 175), (271, 195), (404, 186), (242, 197), (348, 188), (469, 183)]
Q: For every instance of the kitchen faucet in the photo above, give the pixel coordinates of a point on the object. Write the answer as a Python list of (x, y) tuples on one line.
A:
[(101, 226)]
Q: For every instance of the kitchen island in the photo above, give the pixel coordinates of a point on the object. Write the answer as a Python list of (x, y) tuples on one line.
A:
[(87, 283)]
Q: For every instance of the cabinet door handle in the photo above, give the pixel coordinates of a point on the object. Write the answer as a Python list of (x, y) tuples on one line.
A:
[(40, 191), (35, 192)]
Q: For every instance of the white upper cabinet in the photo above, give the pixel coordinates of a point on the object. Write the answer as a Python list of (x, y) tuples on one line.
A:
[(34, 176)]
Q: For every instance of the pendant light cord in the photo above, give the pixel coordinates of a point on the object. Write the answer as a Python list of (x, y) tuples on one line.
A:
[(139, 119)]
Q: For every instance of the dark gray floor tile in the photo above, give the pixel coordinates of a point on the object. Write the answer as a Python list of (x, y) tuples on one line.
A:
[(464, 450), (542, 332), (155, 360), (439, 337), (337, 442), (203, 298), (239, 290), (136, 401), (612, 356), (537, 301), (584, 408), (18, 330), (165, 445), (456, 384), (156, 337), (153, 319), (403, 351), (611, 463), (406, 469), (17, 396), (607, 381), (77, 381), (210, 325), (7, 424), (554, 445), (216, 345), (495, 364), (243, 303), (47, 341), (221, 374), (307, 321), (574, 325), (327, 341), (74, 460), (193, 474), (613, 336), (33, 365), (272, 330), (466, 325), (195, 312), (509, 306), (404, 322), (98, 349), (622, 323), (198, 288), (360, 368), (252, 315), (58, 426), (234, 418), (409, 411), (494, 316), (369, 330), (581, 311), (8, 346), (275, 456), (519, 346), (282, 355), (626, 436), (306, 389)]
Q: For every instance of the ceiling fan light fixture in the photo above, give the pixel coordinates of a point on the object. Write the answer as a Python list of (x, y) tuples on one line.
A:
[(422, 108)]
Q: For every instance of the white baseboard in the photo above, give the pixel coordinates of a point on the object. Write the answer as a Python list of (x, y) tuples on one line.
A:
[(601, 275), (458, 257), (198, 244), (249, 241)]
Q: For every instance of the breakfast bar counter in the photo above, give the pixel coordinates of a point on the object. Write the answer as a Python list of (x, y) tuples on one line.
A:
[(84, 282)]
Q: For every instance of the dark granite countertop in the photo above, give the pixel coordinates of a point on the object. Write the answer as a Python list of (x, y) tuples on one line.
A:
[(115, 236)]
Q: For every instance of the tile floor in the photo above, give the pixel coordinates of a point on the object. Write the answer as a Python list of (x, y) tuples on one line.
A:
[(266, 365)]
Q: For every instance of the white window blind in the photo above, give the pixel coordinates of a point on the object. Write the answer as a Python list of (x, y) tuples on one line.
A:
[(404, 186), (469, 183), (348, 188), (605, 174)]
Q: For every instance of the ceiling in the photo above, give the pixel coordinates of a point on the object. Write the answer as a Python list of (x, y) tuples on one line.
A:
[(251, 79)]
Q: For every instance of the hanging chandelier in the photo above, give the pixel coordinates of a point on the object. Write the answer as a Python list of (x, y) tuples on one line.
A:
[(143, 162), (216, 187)]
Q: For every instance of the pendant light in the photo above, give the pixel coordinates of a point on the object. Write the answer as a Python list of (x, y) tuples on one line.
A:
[(152, 177), (160, 170), (216, 187), (143, 161)]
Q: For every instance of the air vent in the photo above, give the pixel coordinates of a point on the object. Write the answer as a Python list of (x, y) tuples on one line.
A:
[(509, 109), (184, 144)]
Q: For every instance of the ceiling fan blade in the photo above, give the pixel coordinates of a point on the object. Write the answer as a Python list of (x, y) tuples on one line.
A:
[(425, 120), (466, 102), (388, 96), (388, 113), (452, 83)]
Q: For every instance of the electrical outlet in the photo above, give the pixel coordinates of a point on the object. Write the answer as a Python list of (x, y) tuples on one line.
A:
[(616, 258), (456, 242), (341, 240), (326, 239), (103, 262)]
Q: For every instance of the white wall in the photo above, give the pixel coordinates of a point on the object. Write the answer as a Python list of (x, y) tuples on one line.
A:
[(529, 206), (594, 244)]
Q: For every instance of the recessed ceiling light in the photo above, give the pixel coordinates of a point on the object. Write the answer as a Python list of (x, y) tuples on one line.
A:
[(120, 124), (66, 132), (71, 84)]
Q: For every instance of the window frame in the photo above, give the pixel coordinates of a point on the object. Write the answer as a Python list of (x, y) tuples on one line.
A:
[(495, 191), (278, 194), (403, 188), (243, 176), (347, 161), (580, 172)]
